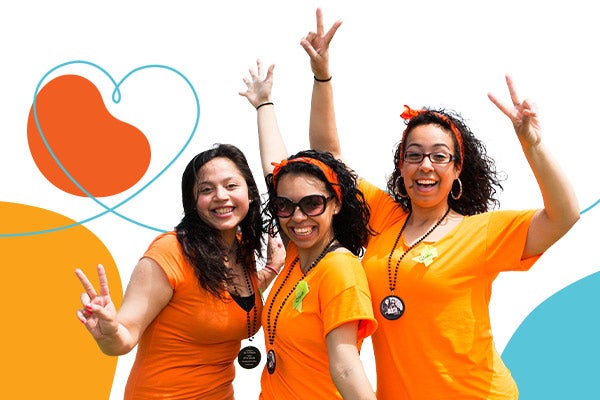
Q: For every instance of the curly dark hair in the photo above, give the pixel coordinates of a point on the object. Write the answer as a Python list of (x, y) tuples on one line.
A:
[(350, 226), (480, 180), (201, 243)]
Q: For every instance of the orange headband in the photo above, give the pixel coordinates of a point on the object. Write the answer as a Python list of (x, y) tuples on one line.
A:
[(330, 175), (409, 113)]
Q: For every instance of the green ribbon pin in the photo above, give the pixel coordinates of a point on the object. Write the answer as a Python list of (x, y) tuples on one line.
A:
[(427, 255), (301, 292)]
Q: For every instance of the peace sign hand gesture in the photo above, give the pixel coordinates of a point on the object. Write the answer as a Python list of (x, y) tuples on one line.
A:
[(316, 45), (523, 115), (98, 312)]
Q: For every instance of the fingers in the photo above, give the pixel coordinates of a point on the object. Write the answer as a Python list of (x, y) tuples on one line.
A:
[(310, 50), (87, 286), (500, 105), (512, 90), (331, 32), (103, 281), (82, 315), (259, 67), (270, 72), (319, 22)]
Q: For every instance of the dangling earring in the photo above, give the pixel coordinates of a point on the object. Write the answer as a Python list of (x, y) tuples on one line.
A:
[(398, 184), (456, 197)]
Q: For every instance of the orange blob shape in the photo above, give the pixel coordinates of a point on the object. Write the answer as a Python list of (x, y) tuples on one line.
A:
[(46, 352), (103, 154)]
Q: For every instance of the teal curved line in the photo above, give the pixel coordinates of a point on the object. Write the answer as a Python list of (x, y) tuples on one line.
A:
[(116, 96), (590, 207)]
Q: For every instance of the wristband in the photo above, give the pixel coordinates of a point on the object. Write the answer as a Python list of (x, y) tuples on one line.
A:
[(323, 80), (266, 103), (272, 269)]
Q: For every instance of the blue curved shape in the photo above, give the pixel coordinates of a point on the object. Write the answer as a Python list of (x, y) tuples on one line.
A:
[(116, 97), (555, 353)]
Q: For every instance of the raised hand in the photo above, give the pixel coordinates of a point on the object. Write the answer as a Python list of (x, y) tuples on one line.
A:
[(523, 115), (258, 86), (316, 45), (98, 312)]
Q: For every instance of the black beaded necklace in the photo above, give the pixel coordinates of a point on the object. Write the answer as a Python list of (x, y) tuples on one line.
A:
[(271, 360), (392, 307), (249, 356)]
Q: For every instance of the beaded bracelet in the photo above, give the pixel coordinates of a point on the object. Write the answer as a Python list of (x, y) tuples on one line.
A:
[(323, 80), (272, 269), (266, 103)]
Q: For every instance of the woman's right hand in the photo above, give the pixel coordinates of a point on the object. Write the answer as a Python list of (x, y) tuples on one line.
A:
[(316, 45), (98, 313)]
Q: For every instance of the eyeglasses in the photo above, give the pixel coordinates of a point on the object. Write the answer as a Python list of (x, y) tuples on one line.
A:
[(312, 205), (413, 157)]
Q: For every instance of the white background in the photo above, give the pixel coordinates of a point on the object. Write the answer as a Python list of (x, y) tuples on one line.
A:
[(386, 54)]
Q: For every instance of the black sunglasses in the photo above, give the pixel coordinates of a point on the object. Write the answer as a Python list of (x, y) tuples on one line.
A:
[(312, 205)]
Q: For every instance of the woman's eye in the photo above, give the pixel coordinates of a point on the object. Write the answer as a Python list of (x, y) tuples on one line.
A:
[(440, 157), (413, 156)]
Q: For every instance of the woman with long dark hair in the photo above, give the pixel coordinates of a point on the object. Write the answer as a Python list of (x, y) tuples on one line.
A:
[(195, 293)]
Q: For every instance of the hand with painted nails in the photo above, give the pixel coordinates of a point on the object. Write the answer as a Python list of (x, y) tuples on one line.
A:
[(98, 312)]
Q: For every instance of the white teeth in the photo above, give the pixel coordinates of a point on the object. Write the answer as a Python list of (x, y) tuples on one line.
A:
[(426, 182), (222, 211), (302, 231)]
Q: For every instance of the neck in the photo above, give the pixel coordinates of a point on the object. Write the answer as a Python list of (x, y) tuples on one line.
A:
[(426, 216), (311, 257), (229, 240)]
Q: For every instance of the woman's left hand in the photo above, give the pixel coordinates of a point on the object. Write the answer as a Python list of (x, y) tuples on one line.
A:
[(523, 115), (258, 87)]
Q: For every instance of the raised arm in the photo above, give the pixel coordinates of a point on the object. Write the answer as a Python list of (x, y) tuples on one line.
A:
[(561, 208), (323, 133), (258, 92)]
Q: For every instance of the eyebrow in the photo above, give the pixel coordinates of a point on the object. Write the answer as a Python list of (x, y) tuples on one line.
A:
[(422, 146)]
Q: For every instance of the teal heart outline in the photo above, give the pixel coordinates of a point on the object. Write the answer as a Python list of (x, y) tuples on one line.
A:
[(116, 98)]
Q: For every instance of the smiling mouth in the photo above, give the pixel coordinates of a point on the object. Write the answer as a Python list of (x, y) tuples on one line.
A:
[(426, 182), (223, 211), (302, 231)]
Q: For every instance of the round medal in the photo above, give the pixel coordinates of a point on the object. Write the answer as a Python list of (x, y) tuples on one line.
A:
[(271, 361), (392, 307), (249, 357)]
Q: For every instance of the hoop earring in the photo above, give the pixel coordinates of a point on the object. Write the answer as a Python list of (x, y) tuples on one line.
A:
[(398, 184), (460, 188)]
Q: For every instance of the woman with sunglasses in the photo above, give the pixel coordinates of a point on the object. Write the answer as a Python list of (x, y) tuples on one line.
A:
[(318, 310), (439, 248)]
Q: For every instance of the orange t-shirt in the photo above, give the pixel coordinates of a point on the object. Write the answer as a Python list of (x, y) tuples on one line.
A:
[(442, 346), (337, 293), (188, 351)]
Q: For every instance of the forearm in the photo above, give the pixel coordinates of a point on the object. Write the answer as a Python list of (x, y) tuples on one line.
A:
[(271, 145), (266, 276), (117, 344), (351, 380), (323, 133), (561, 207)]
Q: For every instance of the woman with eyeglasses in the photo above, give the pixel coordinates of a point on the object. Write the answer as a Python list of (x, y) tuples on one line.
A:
[(439, 248), (318, 310)]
